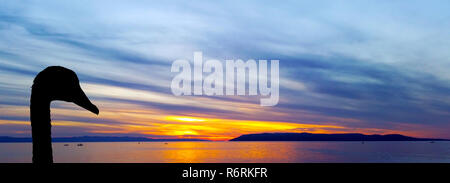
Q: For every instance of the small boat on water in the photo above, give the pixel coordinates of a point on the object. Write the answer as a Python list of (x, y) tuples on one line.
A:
[(166, 143), (79, 144)]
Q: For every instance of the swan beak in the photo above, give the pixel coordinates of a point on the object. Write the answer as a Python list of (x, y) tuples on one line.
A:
[(83, 101)]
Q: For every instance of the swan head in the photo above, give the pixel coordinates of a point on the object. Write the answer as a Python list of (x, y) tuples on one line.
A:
[(59, 83)]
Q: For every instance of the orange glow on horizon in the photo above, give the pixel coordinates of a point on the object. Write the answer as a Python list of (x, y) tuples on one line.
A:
[(181, 118), (155, 123)]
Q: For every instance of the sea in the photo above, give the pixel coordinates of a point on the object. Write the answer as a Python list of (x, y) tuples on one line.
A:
[(236, 152)]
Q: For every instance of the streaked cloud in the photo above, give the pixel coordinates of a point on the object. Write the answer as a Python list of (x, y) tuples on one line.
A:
[(360, 66)]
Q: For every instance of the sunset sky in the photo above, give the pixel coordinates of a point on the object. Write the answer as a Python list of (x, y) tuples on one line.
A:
[(373, 67)]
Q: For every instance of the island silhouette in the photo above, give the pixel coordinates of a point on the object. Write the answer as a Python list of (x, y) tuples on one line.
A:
[(247, 137), (53, 83), (328, 137)]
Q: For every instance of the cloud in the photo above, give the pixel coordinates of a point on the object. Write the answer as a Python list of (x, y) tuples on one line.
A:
[(358, 65)]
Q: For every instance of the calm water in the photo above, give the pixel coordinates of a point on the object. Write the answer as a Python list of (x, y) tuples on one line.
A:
[(222, 152)]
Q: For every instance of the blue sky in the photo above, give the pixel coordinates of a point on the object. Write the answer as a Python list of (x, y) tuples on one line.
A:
[(345, 66)]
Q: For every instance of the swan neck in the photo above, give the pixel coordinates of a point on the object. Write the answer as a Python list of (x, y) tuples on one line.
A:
[(41, 127), (39, 108)]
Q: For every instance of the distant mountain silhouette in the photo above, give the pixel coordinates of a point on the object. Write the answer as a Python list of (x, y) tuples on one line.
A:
[(327, 137), (95, 139)]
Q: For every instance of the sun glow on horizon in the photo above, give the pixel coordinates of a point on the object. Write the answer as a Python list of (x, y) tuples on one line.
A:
[(114, 120), (181, 118)]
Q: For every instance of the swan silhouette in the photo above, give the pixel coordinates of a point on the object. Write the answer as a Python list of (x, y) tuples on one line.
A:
[(53, 83)]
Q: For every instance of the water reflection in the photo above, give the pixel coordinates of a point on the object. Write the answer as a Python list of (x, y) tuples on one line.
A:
[(236, 152)]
